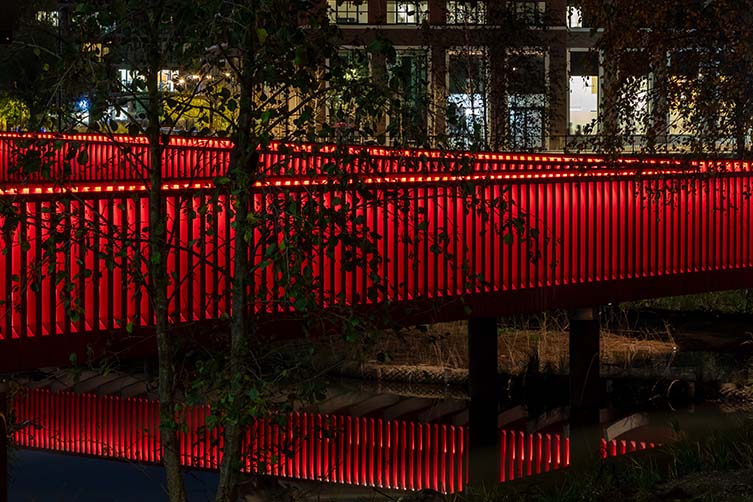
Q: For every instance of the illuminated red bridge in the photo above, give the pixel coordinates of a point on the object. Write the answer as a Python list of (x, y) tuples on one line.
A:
[(339, 449), (454, 235)]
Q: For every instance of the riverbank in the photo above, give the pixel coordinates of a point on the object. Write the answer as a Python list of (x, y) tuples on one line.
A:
[(714, 465)]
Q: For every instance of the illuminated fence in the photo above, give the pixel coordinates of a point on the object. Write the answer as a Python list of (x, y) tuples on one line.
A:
[(508, 234)]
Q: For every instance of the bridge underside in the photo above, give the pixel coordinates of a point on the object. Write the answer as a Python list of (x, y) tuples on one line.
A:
[(19, 354)]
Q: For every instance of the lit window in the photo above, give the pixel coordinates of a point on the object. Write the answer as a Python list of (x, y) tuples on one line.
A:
[(168, 79), (574, 17), (130, 80), (466, 99), (466, 12), (97, 50), (349, 12), (528, 12), (50, 17), (584, 93), (407, 12)]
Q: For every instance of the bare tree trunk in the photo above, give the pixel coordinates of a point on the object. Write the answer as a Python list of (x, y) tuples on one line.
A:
[(243, 167), (158, 272), (231, 454), (739, 130)]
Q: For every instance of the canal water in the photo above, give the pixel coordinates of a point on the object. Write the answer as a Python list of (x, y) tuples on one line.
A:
[(372, 435), (40, 476)]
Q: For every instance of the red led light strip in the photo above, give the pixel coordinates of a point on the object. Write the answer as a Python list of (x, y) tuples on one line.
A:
[(122, 158)]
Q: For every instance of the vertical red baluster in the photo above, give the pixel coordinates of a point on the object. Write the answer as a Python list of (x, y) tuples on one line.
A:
[(557, 450), (521, 448), (502, 455)]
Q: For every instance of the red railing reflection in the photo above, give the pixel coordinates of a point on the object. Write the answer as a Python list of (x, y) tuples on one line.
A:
[(332, 448)]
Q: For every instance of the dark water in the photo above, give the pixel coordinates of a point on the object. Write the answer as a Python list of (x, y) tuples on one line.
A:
[(534, 403), (37, 476)]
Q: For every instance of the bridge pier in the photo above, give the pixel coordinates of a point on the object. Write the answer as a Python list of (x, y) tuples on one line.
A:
[(585, 431), (584, 367), (483, 455)]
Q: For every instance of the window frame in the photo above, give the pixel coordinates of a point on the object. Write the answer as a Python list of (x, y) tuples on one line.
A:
[(403, 49), (485, 116), (347, 7), (468, 12), (396, 8)]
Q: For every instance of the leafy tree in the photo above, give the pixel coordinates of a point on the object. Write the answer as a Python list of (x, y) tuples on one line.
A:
[(84, 90), (272, 78), (677, 76), (292, 85)]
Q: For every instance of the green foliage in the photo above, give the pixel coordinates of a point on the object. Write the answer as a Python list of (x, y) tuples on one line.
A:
[(14, 114), (675, 68)]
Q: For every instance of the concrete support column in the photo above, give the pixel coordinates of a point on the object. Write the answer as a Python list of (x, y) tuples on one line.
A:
[(482, 377), (585, 389), (584, 366)]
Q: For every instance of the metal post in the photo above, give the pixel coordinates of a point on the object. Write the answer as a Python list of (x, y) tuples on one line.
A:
[(482, 377)]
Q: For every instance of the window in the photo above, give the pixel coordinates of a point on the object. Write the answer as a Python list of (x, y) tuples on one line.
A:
[(633, 103), (527, 100), (584, 92), (95, 49), (127, 77), (686, 66), (528, 12), (466, 100), (167, 80), (407, 12), (50, 17), (349, 80), (466, 12), (349, 11), (408, 77), (574, 17)]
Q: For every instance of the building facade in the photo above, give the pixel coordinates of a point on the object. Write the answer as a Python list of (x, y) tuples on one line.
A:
[(518, 75)]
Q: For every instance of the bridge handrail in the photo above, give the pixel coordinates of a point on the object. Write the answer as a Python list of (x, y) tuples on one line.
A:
[(122, 158)]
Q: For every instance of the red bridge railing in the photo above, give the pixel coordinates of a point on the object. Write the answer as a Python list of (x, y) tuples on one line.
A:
[(125, 159), (506, 233)]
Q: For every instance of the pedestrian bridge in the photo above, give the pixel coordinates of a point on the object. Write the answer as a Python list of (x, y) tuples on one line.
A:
[(423, 235)]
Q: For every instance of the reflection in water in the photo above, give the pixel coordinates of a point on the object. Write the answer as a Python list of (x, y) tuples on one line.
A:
[(350, 450), (82, 479)]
